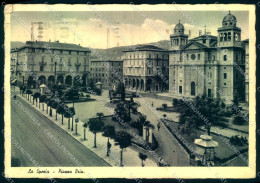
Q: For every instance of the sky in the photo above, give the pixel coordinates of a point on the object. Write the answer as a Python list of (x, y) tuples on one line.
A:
[(121, 28)]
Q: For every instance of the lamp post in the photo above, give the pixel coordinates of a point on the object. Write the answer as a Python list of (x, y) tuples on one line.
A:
[(55, 63), (72, 115), (76, 125)]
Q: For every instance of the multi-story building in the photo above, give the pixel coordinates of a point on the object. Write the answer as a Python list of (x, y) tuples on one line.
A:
[(246, 42), (208, 64), (146, 68), (109, 72), (48, 62)]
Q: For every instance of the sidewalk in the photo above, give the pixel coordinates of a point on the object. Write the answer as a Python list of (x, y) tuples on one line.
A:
[(130, 157)]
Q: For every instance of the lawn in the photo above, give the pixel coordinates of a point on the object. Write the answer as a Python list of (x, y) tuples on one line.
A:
[(223, 151)]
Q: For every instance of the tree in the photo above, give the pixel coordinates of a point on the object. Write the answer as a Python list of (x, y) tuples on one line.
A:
[(60, 110), (200, 111), (100, 115), (239, 120), (69, 112), (95, 126), (36, 96), (50, 104), (122, 110), (71, 94), (109, 132), (85, 125), (164, 116), (141, 121), (143, 158), (28, 92), (123, 140), (42, 100), (46, 101), (164, 106), (55, 105)]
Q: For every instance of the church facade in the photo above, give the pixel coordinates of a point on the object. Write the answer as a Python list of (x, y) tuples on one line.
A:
[(211, 65)]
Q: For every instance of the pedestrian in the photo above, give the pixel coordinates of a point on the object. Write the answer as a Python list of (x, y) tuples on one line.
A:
[(158, 126), (152, 104)]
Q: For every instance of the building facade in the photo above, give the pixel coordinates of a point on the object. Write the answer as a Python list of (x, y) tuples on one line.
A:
[(208, 64), (146, 68), (41, 62), (246, 42), (108, 72)]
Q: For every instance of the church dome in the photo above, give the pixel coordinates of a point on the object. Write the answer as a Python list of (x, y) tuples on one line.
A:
[(179, 28), (229, 20)]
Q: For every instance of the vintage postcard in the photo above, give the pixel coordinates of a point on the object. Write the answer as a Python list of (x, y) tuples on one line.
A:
[(130, 91)]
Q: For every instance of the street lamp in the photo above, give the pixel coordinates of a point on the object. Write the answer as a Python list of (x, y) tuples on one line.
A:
[(72, 115)]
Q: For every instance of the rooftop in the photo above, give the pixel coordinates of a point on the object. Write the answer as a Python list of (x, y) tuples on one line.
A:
[(54, 45), (145, 47)]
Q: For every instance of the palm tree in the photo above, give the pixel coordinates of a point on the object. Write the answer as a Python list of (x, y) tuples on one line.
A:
[(123, 139), (49, 104), (143, 158), (141, 121), (42, 100), (164, 106), (55, 105), (46, 102), (109, 132), (61, 111), (36, 96), (164, 116), (100, 115), (68, 114), (85, 125), (95, 126)]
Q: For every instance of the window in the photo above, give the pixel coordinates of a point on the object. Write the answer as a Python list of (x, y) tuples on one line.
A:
[(225, 75), (70, 52), (225, 84), (225, 58), (224, 67), (213, 57), (192, 91), (157, 62), (187, 57), (209, 93), (61, 51), (198, 56), (77, 52), (193, 57), (41, 68), (149, 55), (180, 89), (237, 57), (204, 41), (229, 36)]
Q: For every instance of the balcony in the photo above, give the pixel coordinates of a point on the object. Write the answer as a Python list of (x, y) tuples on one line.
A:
[(42, 63)]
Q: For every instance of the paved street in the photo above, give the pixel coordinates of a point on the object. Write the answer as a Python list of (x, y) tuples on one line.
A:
[(42, 148), (169, 149)]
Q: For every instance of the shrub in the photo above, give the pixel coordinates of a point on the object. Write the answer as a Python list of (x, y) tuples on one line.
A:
[(239, 120)]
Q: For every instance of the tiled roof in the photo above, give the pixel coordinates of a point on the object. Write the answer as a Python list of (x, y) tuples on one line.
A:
[(145, 47), (54, 45), (196, 43)]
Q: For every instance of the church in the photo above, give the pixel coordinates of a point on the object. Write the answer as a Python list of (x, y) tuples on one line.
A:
[(211, 65)]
